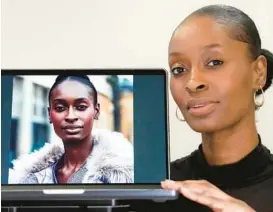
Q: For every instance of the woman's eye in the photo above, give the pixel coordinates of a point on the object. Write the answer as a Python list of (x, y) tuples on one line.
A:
[(178, 70), (59, 108), (81, 107), (213, 63)]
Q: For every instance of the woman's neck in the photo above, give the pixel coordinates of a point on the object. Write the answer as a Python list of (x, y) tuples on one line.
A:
[(231, 144), (76, 154)]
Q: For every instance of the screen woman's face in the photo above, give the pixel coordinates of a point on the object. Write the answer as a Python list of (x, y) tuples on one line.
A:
[(72, 111)]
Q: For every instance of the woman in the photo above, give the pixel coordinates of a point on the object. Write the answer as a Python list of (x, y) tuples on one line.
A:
[(84, 155), (217, 70)]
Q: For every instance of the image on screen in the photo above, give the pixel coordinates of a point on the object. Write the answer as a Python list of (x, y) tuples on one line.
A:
[(82, 128), (53, 130)]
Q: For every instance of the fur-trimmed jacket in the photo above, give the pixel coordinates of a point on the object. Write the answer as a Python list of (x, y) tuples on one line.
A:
[(110, 161)]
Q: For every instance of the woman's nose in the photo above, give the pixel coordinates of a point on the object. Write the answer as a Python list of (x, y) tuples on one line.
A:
[(71, 116), (196, 82)]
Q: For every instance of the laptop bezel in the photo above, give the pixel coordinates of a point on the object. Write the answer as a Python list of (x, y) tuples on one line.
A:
[(19, 189)]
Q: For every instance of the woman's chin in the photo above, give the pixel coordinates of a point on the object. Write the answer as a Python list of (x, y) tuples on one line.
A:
[(72, 138), (202, 126)]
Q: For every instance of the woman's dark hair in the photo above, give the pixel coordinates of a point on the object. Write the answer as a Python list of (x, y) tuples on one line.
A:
[(242, 28), (79, 78)]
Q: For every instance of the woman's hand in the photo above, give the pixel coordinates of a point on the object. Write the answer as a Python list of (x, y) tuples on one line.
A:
[(203, 192)]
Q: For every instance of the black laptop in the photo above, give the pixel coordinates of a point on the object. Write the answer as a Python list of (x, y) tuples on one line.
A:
[(84, 135)]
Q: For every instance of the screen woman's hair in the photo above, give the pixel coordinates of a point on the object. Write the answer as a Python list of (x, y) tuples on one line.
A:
[(79, 78)]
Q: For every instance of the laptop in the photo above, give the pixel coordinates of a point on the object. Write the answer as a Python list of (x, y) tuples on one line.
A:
[(84, 135)]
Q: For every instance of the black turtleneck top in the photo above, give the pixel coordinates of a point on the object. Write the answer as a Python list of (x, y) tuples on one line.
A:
[(250, 180)]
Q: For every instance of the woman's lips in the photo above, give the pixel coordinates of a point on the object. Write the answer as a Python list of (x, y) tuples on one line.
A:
[(72, 129), (201, 107)]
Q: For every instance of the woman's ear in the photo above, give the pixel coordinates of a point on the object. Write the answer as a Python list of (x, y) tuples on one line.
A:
[(259, 72), (48, 111), (97, 111)]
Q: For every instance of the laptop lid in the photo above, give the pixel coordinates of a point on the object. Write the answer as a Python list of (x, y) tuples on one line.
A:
[(84, 134)]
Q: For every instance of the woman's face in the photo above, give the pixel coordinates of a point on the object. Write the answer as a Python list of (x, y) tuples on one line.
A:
[(213, 79), (72, 111)]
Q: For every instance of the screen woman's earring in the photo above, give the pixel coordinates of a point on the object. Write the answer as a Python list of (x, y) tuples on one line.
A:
[(177, 115)]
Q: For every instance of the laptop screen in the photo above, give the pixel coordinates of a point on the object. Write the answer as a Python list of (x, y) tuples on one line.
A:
[(84, 127)]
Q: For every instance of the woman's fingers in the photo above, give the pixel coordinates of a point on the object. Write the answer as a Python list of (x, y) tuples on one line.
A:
[(201, 186), (204, 187), (169, 184), (203, 198), (216, 204), (205, 193)]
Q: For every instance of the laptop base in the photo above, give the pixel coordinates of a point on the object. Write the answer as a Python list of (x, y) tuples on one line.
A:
[(120, 208)]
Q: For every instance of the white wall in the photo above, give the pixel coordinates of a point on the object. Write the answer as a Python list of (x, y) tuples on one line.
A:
[(114, 34)]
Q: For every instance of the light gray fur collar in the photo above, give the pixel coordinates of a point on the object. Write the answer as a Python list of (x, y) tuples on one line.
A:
[(111, 156)]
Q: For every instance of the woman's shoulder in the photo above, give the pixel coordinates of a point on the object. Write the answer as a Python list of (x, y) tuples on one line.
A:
[(42, 176), (108, 144), (111, 158), (183, 168), (35, 163)]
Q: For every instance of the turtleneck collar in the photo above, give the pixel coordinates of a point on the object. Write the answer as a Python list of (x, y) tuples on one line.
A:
[(241, 173)]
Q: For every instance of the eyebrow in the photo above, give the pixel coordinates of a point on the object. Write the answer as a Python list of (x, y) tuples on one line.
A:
[(210, 46), (63, 101)]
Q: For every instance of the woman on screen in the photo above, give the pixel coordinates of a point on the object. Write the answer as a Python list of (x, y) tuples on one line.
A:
[(218, 77), (85, 155)]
